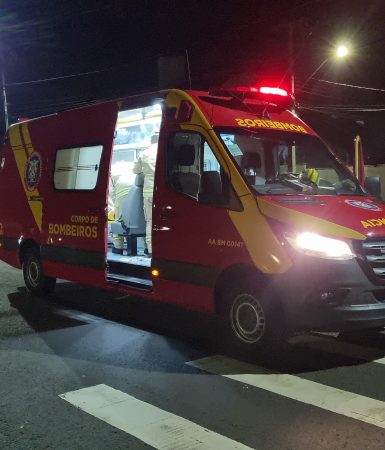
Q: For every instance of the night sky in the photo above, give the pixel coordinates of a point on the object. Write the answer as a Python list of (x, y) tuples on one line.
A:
[(227, 41)]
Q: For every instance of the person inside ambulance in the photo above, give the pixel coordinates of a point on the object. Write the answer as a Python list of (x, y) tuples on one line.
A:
[(121, 180), (146, 165), (310, 176)]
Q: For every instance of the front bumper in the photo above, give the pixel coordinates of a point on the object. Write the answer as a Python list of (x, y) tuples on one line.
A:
[(327, 295)]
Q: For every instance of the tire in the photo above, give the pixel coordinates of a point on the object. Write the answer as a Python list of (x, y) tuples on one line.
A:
[(33, 274), (253, 319)]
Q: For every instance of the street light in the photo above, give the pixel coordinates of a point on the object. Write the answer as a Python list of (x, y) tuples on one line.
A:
[(340, 52)]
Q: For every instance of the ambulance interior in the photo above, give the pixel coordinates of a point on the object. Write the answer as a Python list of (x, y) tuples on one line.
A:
[(134, 131)]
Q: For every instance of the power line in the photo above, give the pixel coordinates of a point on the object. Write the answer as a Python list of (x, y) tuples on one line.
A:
[(331, 109), (318, 94), (350, 85), (58, 106), (344, 105), (80, 74), (350, 107), (43, 80)]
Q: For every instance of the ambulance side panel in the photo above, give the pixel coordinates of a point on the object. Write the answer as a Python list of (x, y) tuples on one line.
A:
[(59, 213)]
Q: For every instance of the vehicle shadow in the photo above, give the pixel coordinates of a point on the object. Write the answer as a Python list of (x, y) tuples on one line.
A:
[(191, 333), (72, 305), (38, 313)]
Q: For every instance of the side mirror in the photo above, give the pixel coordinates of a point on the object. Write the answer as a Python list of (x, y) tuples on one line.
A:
[(373, 185)]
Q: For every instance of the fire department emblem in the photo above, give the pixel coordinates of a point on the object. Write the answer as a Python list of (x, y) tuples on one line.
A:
[(363, 205), (33, 171)]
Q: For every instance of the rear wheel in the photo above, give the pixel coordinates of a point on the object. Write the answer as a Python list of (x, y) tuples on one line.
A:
[(34, 278), (252, 320)]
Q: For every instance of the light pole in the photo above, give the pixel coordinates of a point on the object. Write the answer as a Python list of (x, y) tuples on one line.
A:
[(3, 90)]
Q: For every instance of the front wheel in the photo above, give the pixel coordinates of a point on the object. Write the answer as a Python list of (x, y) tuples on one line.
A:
[(34, 278), (252, 318)]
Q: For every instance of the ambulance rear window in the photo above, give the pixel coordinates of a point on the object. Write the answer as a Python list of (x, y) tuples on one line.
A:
[(77, 168)]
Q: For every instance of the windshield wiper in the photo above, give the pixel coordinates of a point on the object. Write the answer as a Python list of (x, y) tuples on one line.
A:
[(346, 187), (292, 180)]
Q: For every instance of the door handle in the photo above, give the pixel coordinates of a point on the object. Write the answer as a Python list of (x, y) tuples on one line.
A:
[(167, 212)]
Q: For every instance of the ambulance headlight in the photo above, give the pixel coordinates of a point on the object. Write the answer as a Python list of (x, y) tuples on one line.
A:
[(314, 244)]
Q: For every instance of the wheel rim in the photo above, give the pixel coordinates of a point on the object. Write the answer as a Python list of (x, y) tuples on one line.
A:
[(33, 272), (248, 319)]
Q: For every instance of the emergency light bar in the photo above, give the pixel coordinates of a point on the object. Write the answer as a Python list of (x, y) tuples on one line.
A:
[(265, 95), (273, 91)]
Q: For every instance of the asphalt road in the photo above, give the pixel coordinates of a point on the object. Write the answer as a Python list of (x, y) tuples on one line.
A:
[(90, 369)]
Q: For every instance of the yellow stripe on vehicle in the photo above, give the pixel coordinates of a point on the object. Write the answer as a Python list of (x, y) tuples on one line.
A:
[(27, 138), (306, 221), (264, 248), (21, 153)]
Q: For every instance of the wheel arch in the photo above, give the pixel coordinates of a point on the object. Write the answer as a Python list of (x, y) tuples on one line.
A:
[(26, 245), (33, 273), (234, 274)]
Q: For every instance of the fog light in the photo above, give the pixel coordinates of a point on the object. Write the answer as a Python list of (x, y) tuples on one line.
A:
[(334, 296), (327, 295)]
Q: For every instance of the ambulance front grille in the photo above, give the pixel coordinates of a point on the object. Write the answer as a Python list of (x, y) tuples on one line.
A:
[(374, 251)]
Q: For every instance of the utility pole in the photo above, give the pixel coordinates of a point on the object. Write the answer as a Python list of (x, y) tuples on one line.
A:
[(291, 58), (4, 92), (188, 69), (3, 89)]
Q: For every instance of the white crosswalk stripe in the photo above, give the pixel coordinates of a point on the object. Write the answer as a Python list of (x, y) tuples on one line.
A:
[(152, 425), (331, 399)]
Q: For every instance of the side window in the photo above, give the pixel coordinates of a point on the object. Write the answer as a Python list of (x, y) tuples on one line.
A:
[(194, 170), (210, 162), (77, 168), (211, 189), (184, 163)]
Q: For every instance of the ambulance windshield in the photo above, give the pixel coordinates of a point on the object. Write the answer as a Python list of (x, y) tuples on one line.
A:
[(281, 163)]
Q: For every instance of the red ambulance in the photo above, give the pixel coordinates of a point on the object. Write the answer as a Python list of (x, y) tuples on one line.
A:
[(253, 216)]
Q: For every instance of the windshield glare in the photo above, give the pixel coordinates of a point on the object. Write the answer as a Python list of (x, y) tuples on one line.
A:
[(279, 163)]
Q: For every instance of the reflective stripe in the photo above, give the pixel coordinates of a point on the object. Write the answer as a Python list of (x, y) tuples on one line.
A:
[(179, 271), (74, 256), (22, 147), (8, 243), (65, 255)]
